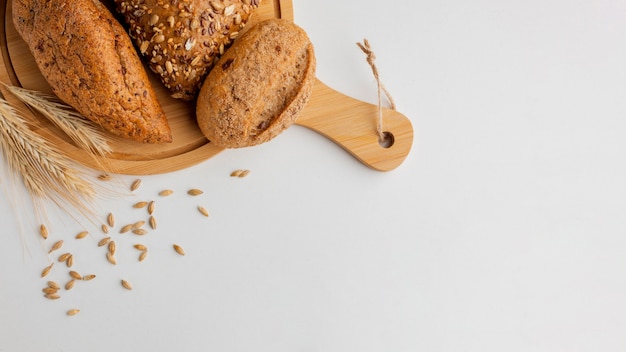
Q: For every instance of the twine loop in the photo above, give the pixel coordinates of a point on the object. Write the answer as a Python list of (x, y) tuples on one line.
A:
[(371, 58)]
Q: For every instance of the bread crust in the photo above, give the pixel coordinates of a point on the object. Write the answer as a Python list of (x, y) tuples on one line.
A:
[(182, 39), (90, 63), (258, 88)]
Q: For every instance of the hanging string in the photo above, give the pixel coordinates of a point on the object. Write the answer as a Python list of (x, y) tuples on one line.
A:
[(371, 57)]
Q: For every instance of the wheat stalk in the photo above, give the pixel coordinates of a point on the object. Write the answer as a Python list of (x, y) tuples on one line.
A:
[(81, 131), (46, 173)]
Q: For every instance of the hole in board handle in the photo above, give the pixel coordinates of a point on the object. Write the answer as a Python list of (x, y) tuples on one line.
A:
[(387, 140)]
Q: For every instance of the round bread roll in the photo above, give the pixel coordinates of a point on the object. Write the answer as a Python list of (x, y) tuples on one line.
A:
[(258, 87)]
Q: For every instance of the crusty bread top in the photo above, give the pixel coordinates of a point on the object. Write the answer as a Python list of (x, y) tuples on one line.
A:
[(90, 63), (182, 39), (260, 85)]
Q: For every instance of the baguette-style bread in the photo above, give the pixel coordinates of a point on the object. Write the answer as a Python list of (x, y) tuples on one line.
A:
[(90, 63), (182, 39), (258, 87)]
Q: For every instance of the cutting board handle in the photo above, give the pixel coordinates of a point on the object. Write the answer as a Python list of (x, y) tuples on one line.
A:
[(351, 124)]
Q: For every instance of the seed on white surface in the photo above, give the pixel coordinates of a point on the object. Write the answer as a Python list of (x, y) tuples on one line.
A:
[(135, 185), (179, 249)]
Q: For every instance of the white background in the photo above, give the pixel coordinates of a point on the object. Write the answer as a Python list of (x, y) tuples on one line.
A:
[(503, 230)]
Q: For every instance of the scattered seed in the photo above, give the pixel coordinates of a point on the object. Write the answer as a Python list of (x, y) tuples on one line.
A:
[(179, 249), (63, 257), (49, 290), (135, 185), (89, 277), (143, 256), (46, 270), (52, 296), (244, 173), (82, 234), (73, 312), (140, 247), (139, 205), (105, 228), (104, 241), (165, 193), (111, 258), (140, 232), (43, 231), (138, 225), (151, 206), (57, 245), (70, 284), (112, 247), (203, 211), (104, 177), (126, 228), (75, 275), (194, 192), (236, 173), (70, 261), (126, 285), (54, 285), (111, 220), (153, 223)]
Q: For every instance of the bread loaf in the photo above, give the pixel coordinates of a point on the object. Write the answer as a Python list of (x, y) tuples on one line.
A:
[(182, 39), (90, 63), (258, 88)]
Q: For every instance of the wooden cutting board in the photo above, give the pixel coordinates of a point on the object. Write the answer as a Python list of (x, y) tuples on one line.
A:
[(346, 121)]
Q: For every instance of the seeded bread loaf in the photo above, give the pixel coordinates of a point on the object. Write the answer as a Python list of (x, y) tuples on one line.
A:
[(258, 87), (182, 39), (90, 63)]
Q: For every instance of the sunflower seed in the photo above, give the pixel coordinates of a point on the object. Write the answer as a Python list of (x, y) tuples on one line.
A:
[(179, 249)]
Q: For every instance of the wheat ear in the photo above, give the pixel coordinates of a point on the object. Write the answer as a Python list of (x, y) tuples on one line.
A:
[(81, 131), (46, 172)]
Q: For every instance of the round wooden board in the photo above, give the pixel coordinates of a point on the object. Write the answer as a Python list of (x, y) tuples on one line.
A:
[(190, 147), (344, 120)]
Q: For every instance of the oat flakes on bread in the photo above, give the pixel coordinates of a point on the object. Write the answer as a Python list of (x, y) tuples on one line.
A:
[(182, 39), (258, 87), (90, 64)]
